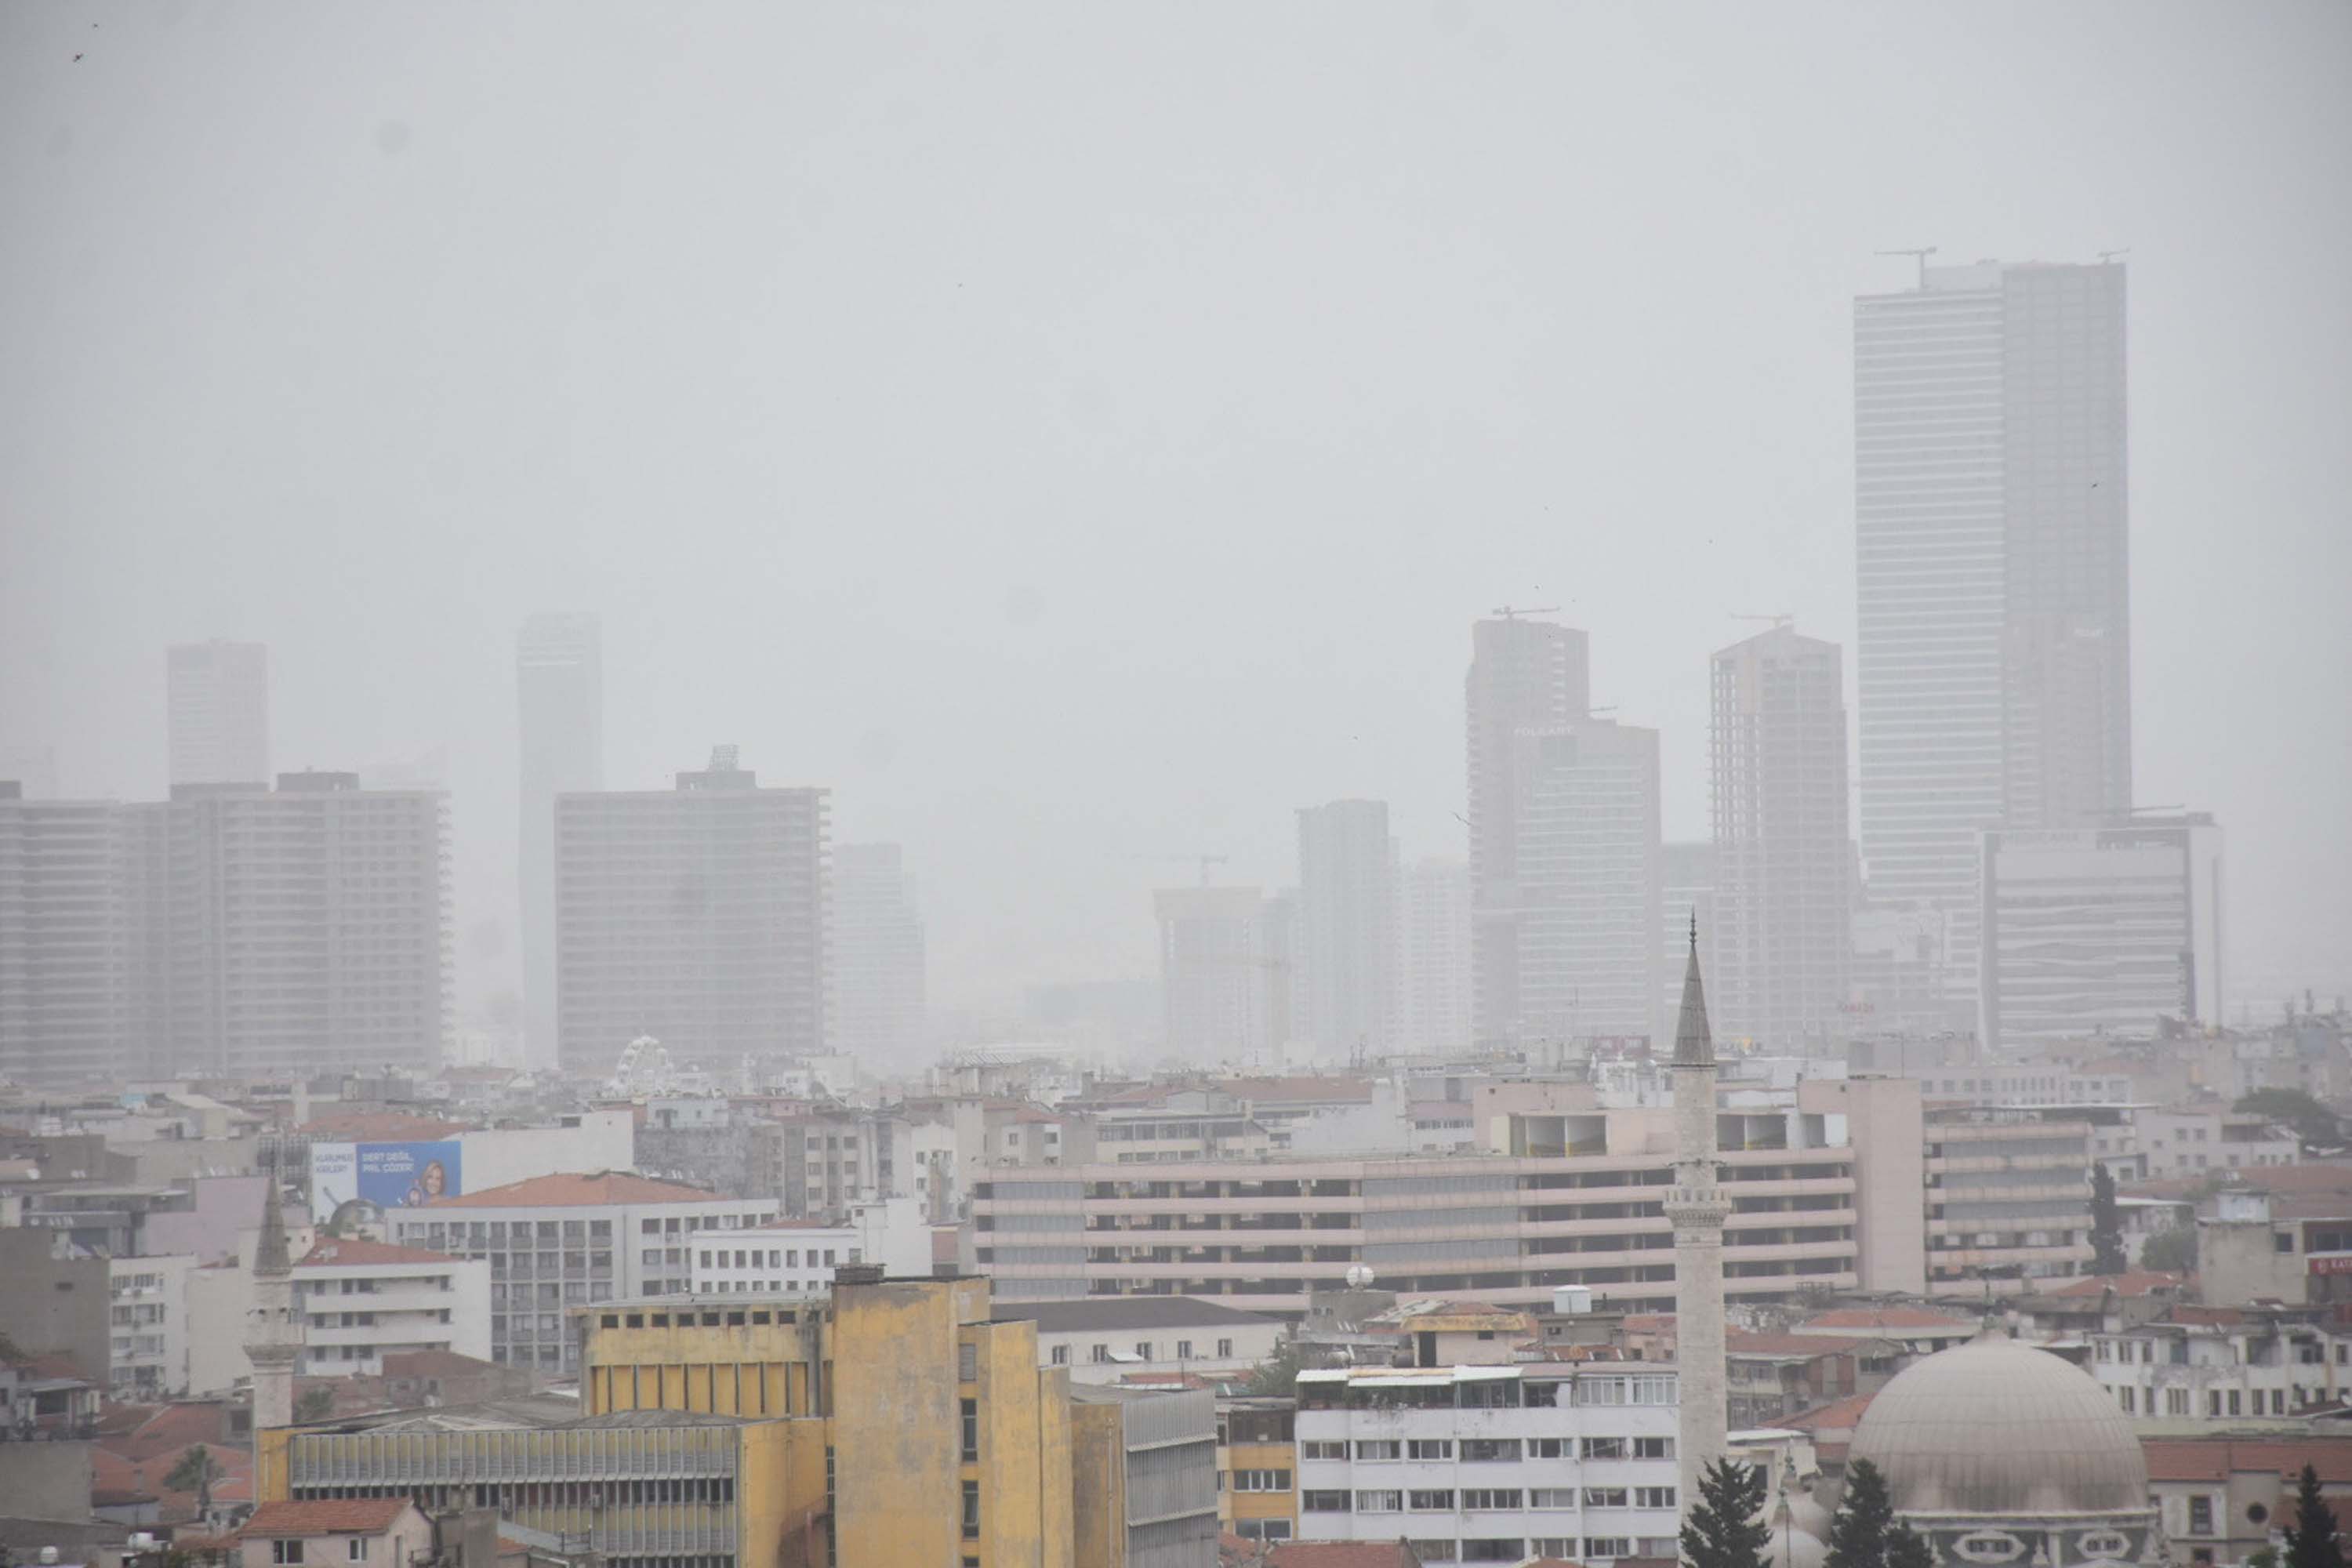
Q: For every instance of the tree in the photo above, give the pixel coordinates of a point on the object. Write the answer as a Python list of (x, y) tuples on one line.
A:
[(2107, 1224), (2172, 1249), (1858, 1530), (196, 1471), (316, 1404), (2314, 1123), (1907, 1548), (1722, 1529), (1276, 1377), (2311, 1539)]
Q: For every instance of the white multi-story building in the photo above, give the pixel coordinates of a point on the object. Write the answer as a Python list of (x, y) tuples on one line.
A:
[(1995, 637), (217, 713), (1115, 1338), (559, 725), (1346, 938), (796, 1255), (1779, 942), (2161, 1143), (1433, 964), (1492, 1463), (1223, 956), (877, 939), (2100, 930), (148, 1313), (700, 916), (64, 1016), (557, 1242), (363, 1299), (2176, 1372), (1588, 882)]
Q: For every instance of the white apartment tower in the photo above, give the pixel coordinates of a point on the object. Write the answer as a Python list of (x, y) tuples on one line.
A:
[(700, 915), (1433, 964), (1524, 674), (217, 713), (559, 725), (1586, 888), (1782, 927), (1346, 938), (1991, 512), (878, 955), (1218, 952), (1696, 1207)]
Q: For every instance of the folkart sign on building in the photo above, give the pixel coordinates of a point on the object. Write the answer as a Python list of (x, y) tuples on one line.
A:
[(384, 1175)]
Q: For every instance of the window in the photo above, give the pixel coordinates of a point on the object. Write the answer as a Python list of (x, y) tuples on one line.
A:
[(1653, 1447), (1061, 1355), (1380, 1449), (1434, 1551), (1183, 1350), (967, 1363), (2200, 1519), (2124, 1396), (1225, 1348), (1323, 1449), (1102, 1353), (1604, 1448), (2176, 1401), (1323, 1502), (971, 1511), (1379, 1502), (1492, 1500), (1490, 1450), (1605, 1497), (285, 1552), (1439, 1502), (1654, 1497), (1551, 1497), (971, 1429), (356, 1549), (1144, 1350), (1261, 1481), (1608, 1546), (1428, 1449)]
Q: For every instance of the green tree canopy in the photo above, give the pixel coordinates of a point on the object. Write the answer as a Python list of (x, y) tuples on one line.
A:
[(2311, 1541), (2313, 1122), (1905, 1549), (1720, 1528), (1276, 1377), (316, 1404), (2172, 1249), (196, 1471), (2107, 1224), (1858, 1529)]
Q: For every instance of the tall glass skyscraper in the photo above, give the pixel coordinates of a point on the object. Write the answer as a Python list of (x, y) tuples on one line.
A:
[(1994, 652)]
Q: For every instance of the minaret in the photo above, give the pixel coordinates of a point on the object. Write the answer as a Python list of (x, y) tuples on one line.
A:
[(273, 1329), (1698, 1208)]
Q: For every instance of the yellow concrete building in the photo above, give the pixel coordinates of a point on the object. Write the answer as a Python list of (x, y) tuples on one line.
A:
[(1257, 1482)]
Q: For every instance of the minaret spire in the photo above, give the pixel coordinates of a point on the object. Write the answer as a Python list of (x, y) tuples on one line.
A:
[(1696, 1208), (273, 1329)]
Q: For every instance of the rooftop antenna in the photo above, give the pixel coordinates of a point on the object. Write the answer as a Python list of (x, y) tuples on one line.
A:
[(2107, 258), (1922, 252)]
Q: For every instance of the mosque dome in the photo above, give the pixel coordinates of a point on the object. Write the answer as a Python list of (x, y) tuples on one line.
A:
[(1997, 1427), (1791, 1546), (1809, 1515)]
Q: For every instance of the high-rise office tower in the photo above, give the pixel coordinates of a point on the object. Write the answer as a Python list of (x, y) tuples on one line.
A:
[(1588, 883), (217, 713), (1523, 674), (63, 1002), (560, 722), (878, 955), (1219, 952), (1687, 884), (1991, 512), (1347, 925), (700, 915), (2100, 930), (1782, 858), (1433, 956)]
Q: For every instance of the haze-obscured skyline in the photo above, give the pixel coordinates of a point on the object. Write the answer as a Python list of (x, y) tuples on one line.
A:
[(1076, 434)]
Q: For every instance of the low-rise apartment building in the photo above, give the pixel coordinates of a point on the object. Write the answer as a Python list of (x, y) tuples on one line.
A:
[(1113, 1338), (790, 1256), (2008, 1196), (364, 1300), (2220, 1364), (380, 1532), (2165, 1143), (1492, 1463), (553, 1243), (147, 1322), (1257, 1468), (2223, 1498)]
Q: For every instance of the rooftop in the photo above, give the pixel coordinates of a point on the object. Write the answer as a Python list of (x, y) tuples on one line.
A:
[(326, 1516), (1113, 1313), (1883, 1319), (344, 1252), (601, 1188), (2217, 1458)]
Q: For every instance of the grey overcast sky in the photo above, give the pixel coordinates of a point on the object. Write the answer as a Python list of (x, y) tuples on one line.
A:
[(1078, 433)]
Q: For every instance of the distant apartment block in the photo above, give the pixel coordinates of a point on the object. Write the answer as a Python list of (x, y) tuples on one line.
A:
[(1686, 893), (1587, 889), (699, 915), (878, 965), (65, 985), (1225, 960), (2008, 1196), (1432, 965), (363, 1300), (217, 713), (1783, 855), (2100, 930), (1346, 938), (559, 732)]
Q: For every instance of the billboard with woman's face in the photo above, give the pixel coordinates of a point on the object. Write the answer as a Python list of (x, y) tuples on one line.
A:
[(390, 1175)]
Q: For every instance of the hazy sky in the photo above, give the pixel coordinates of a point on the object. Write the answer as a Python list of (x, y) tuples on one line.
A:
[(1084, 433)]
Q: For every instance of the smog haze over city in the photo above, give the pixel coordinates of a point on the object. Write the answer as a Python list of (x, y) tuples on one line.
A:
[(1078, 436)]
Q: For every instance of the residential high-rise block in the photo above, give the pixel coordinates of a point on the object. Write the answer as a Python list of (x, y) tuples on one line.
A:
[(2100, 930), (217, 713), (1687, 879), (1217, 974), (1523, 675), (1433, 956), (1782, 926), (560, 723), (878, 955), (1990, 511), (64, 1008), (1587, 889), (699, 915), (1347, 925)]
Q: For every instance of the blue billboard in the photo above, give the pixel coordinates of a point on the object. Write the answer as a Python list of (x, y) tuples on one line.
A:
[(388, 1176)]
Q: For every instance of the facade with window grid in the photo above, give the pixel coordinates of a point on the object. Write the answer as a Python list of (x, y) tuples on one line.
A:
[(1491, 1464)]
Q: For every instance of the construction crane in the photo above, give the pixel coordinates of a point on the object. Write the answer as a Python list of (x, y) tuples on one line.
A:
[(1922, 252), (1513, 612), (1204, 861), (1778, 621)]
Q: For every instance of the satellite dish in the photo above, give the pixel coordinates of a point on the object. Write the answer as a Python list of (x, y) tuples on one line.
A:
[(1359, 1277)]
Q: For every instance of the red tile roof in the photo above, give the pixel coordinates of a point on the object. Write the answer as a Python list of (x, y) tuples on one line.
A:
[(1883, 1318), (581, 1191), (2138, 1282), (1738, 1343), (2217, 1458), (1840, 1416), (1342, 1554), (326, 1516), (332, 1251)]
